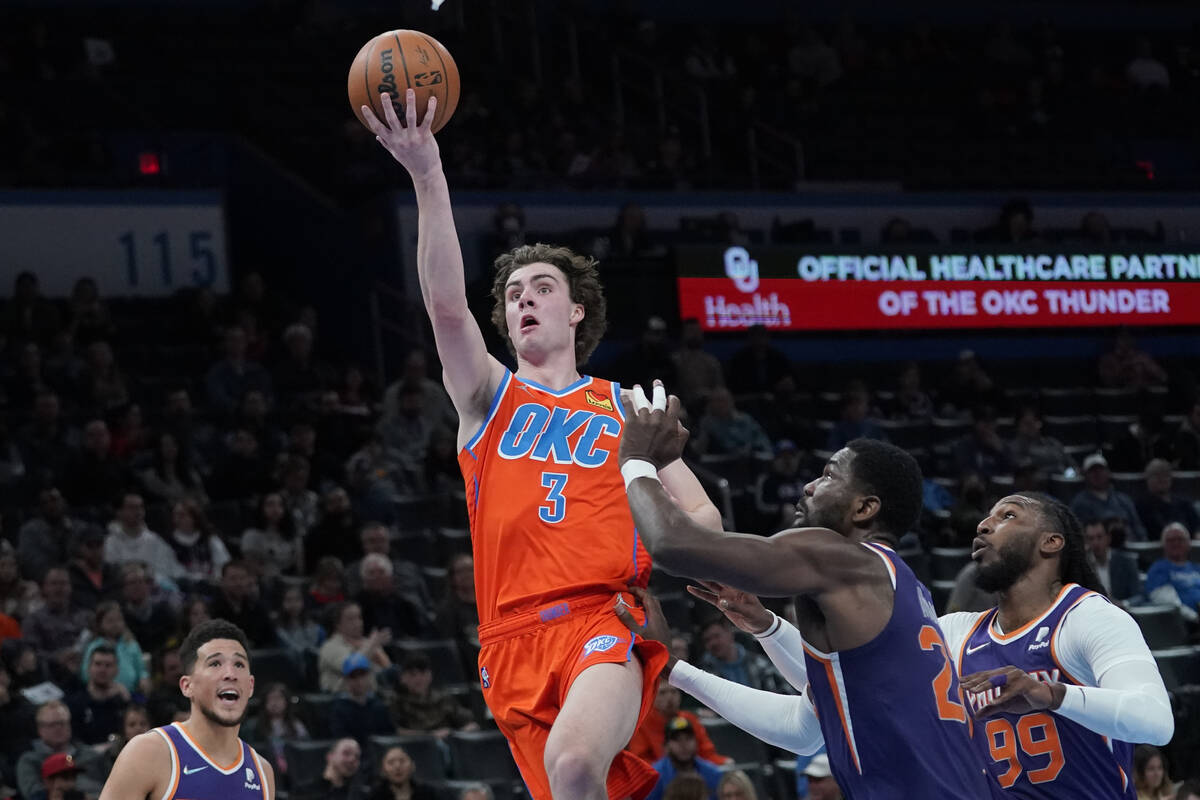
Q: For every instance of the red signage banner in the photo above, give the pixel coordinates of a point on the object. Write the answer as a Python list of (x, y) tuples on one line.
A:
[(934, 290)]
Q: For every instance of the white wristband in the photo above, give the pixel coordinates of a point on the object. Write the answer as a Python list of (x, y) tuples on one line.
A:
[(637, 468)]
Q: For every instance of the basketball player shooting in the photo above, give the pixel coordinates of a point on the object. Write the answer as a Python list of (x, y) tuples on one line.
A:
[(202, 758), (552, 534)]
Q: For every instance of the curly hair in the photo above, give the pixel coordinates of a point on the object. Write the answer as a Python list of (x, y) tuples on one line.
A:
[(582, 278)]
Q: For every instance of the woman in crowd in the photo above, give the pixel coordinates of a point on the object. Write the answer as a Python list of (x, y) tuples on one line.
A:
[(275, 724), (1150, 774), (196, 544), (108, 627), (396, 780), (272, 543)]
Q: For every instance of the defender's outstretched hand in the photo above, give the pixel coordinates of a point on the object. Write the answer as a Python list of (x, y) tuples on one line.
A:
[(652, 432), (411, 144), (743, 610)]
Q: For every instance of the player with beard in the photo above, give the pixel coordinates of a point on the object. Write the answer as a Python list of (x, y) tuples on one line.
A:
[(202, 758), (878, 672), (1059, 681)]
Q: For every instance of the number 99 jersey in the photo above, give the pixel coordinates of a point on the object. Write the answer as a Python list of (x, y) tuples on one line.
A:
[(547, 507), (1041, 754)]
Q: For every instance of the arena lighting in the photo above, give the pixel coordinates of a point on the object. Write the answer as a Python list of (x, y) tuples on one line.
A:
[(149, 163)]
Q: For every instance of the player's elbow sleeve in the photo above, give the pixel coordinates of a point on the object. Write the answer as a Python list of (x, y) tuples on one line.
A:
[(1145, 717)]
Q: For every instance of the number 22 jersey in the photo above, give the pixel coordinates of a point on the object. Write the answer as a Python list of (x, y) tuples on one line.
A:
[(547, 507)]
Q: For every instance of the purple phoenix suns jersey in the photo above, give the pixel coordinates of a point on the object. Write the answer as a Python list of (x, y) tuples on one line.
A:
[(1040, 754), (891, 710), (195, 776)]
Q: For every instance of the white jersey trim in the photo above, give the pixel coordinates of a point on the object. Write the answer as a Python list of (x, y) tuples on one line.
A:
[(196, 749), (173, 781)]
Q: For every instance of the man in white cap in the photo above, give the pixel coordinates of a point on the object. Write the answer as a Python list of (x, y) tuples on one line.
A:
[(1099, 500), (821, 784)]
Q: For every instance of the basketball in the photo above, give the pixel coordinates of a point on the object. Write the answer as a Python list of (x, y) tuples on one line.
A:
[(395, 61)]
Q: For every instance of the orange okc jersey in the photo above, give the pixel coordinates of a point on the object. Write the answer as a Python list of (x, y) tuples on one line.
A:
[(549, 517)]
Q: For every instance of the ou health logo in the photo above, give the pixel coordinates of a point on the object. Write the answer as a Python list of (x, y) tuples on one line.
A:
[(598, 644), (741, 269)]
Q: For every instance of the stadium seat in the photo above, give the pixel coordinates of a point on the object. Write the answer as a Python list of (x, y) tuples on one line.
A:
[(481, 756), (271, 664), (677, 608), (1067, 401), (1161, 625), (944, 430), (1113, 426), (940, 590), (1179, 666), (1131, 483), (906, 433), (1186, 483), (443, 657), (437, 580), (306, 759), (452, 542), (1065, 488), (413, 514), (1116, 401), (733, 742), (425, 751), (1146, 552), (419, 548), (946, 562), (1071, 429)]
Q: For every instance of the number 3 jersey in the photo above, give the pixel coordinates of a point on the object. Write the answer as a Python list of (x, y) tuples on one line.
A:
[(1041, 754), (547, 507), (891, 710)]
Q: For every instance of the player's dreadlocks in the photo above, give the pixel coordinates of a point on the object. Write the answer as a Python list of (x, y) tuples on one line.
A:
[(1074, 566)]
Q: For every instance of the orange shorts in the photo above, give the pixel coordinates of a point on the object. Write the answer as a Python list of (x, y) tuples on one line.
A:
[(527, 663)]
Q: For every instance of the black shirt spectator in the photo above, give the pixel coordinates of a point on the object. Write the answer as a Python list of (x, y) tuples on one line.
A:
[(242, 470), (358, 713), (152, 622), (96, 476), (383, 607), (1157, 507), (45, 540), (1187, 439), (982, 450), (759, 365), (234, 375), (96, 709), (29, 315), (298, 378), (336, 532), (238, 602), (45, 443), (92, 578)]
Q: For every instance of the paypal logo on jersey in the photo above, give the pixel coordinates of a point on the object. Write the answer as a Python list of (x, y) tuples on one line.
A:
[(544, 434), (1040, 640)]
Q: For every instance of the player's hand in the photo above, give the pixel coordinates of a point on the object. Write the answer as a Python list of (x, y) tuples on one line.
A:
[(656, 628), (411, 144), (1019, 692), (742, 609), (652, 433)]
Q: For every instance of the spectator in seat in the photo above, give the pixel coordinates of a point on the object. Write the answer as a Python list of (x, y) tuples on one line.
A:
[(1125, 366), (336, 531), (172, 477), (234, 375), (301, 502), (346, 624), (967, 386), (273, 543), (357, 712), (45, 540), (92, 578), (242, 469), (1014, 226), (680, 759), (29, 315), (130, 540), (17, 597), (420, 708), (431, 402), (787, 414), (855, 422), (407, 579), (457, 615), (1030, 446), (1145, 72), (1174, 579), (725, 657), (17, 727), (275, 724), (911, 401), (55, 737), (1143, 440), (699, 372), (724, 430), (396, 781), (1187, 439), (383, 607), (238, 601), (1099, 500), (328, 583), (1116, 569), (103, 385), (152, 621), (198, 548), (97, 708), (45, 443), (650, 738), (406, 434), (108, 628), (777, 491), (1150, 775), (650, 358), (821, 783), (966, 594), (88, 319), (55, 628), (165, 699), (758, 365), (341, 779), (1158, 507), (982, 451), (1188, 790), (298, 377), (59, 775), (96, 476), (295, 630), (135, 721)]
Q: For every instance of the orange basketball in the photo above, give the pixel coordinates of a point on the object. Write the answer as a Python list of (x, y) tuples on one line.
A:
[(396, 61)]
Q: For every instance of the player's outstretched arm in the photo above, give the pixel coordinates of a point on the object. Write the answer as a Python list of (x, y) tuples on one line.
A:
[(782, 720), (470, 374), (142, 769), (802, 561)]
